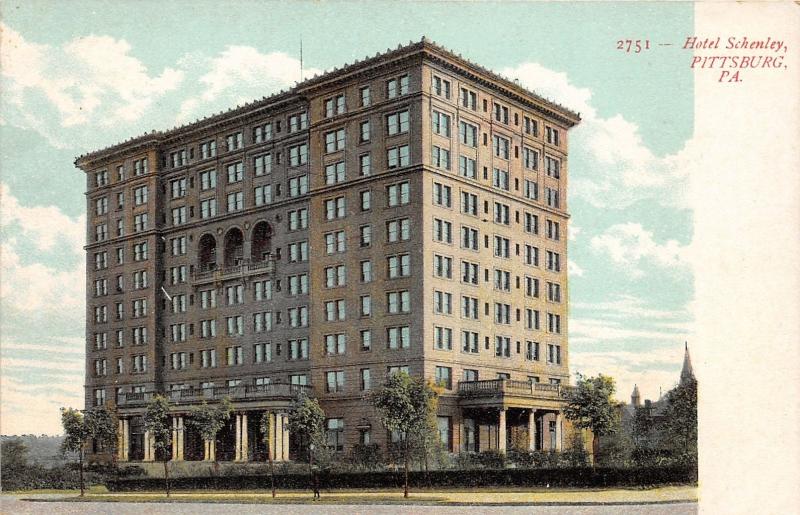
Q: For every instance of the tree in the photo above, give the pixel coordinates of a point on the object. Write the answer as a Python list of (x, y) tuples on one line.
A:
[(14, 453), (591, 406), (307, 421), (266, 429), (680, 420), (74, 437), (209, 420), (100, 425), (157, 422), (404, 405)]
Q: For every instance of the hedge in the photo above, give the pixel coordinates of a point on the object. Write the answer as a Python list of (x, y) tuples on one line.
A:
[(557, 477)]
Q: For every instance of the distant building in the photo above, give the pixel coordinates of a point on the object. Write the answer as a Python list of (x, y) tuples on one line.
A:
[(406, 212)]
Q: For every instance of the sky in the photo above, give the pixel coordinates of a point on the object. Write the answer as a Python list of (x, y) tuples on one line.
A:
[(80, 76)]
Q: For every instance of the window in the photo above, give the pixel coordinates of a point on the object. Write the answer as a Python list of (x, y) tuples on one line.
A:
[(140, 166), (532, 319), (140, 279), (208, 328), (335, 208), (391, 371), (444, 377), (262, 133), (101, 260), (553, 261), (234, 294), (334, 141), (397, 123), (298, 154), (398, 337), (335, 343), (364, 166), (397, 194), (263, 194), (502, 280), (262, 165), (178, 158), (398, 302), (469, 272), (531, 223), (208, 208), (442, 230), (262, 352), (100, 341), (299, 379), (553, 323), (469, 238), (500, 179), (334, 242), (442, 266), (140, 307), (366, 271), (120, 200), (209, 149), (335, 310), (298, 122), (440, 87), (531, 190), (178, 245), (101, 178), (139, 363), (531, 287), (469, 99), (100, 287), (469, 203), (298, 251), (334, 173), (554, 354), (502, 346), (334, 382), (530, 158), (502, 214), (298, 185), (366, 305), (298, 219), (235, 172), (442, 303), (365, 235), (531, 126), (298, 349), (208, 299), (366, 339), (501, 146), (397, 87), (234, 356), (140, 220), (298, 316), (467, 167), (364, 95), (552, 230), (551, 197), (208, 180), (441, 195), (397, 157), (99, 397), (140, 251), (140, 195), (501, 113), (553, 292), (234, 141), (532, 351), (440, 157), (234, 325), (469, 343), (335, 276), (139, 335), (468, 134), (398, 230), (262, 322), (334, 434), (469, 307), (443, 338), (101, 206), (502, 313), (552, 167), (365, 379), (440, 123), (502, 247), (208, 358), (364, 131), (399, 265), (551, 135), (263, 290), (365, 198), (235, 201), (334, 105)]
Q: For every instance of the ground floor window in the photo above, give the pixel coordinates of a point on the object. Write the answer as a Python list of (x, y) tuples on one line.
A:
[(335, 433), (445, 435), (468, 436)]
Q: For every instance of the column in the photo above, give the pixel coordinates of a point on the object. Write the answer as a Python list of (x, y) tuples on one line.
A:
[(181, 436), (532, 429), (272, 435), (559, 421), (210, 450), (278, 437), (177, 438), (285, 437), (245, 444), (501, 431), (148, 449), (121, 439), (126, 439), (238, 446)]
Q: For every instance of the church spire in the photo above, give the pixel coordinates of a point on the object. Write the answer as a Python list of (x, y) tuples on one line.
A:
[(636, 399), (686, 372)]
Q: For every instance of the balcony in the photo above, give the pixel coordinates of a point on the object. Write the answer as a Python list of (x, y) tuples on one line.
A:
[(243, 268), (275, 391), (507, 388)]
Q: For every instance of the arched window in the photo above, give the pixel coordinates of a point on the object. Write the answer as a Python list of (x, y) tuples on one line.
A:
[(234, 247), (261, 245), (207, 253)]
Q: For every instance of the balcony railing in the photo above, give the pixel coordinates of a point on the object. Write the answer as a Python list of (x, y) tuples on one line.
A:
[(243, 268), (235, 393), (495, 387)]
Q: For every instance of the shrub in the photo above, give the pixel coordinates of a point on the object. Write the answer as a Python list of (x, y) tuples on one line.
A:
[(366, 457)]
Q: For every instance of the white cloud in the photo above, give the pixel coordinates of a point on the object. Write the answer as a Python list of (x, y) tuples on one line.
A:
[(573, 269), (623, 169), (630, 245), (238, 75), (628, 306), (91, 80), (574, 231), (26, 410)]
